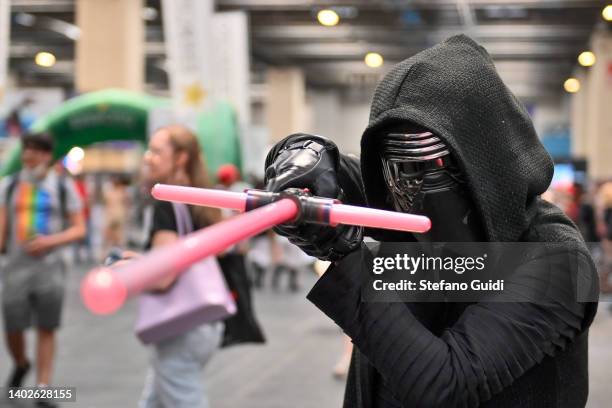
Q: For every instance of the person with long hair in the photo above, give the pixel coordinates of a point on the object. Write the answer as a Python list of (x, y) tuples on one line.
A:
[(175, 381)]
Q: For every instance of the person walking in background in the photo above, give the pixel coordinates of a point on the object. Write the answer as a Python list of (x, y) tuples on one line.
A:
[(177, 363), (242, 327), (604, 227), (40, 212), (116, 204), (261, 257), (229, 178), (288, 260), (586, 220), (83, 250)]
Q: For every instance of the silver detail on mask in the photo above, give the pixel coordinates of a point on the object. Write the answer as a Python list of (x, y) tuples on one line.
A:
[(413, 146), (413, 162)]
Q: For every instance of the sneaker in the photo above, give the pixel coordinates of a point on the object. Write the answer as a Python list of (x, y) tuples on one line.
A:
[(18, 375), (43, 402)]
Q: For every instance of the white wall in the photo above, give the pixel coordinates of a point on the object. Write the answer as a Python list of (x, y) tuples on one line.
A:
[(337, 118)]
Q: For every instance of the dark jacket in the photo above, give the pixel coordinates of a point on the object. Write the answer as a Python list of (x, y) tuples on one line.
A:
[(460, 354)]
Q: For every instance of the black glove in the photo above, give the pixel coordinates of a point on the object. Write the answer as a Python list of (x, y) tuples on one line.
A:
[(308, 161)]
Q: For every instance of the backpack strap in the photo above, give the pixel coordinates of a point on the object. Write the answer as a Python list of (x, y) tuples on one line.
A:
[(62, 196), (10, 189), (61, 187), (62, 190), (184, 224)]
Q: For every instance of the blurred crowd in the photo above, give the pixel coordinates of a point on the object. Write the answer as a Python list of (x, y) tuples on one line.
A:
[(52, 219), (589, 205)]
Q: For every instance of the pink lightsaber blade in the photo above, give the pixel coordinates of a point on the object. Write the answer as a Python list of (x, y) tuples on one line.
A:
[(207, 197), (338, 213), (372, 217), (104, 290)]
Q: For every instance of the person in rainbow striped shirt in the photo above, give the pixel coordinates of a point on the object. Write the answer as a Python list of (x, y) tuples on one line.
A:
[(40, 212)]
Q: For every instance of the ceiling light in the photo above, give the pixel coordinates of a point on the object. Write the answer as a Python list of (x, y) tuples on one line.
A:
[(328, 17), (149, 13), (586, 59), (607, 12), (374, 60), (45, 59), (571, 85)]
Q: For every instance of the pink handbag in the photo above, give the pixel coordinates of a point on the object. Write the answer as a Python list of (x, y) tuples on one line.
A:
[(199, 295)]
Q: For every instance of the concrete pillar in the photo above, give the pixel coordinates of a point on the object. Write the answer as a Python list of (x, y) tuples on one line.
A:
[(285, 102), (597, 112), (110, 49)]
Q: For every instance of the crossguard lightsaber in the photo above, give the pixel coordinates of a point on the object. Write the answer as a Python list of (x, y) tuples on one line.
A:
[(105, 289), (311, 209)]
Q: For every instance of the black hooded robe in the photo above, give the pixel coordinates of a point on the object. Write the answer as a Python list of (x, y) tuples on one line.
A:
[(463, 355)]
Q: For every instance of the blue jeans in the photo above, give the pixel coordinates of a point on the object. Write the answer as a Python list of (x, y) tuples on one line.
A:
[(175, 380)]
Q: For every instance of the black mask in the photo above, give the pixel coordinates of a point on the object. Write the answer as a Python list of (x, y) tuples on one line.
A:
[(423, 178)]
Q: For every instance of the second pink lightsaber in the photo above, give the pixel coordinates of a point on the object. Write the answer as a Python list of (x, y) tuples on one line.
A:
[(105, 289), (338, 213)]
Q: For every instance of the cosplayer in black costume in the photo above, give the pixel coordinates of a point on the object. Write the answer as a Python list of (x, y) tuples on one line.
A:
[(482, 185)]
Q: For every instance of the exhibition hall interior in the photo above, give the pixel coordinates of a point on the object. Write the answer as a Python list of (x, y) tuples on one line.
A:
[(191, 191)]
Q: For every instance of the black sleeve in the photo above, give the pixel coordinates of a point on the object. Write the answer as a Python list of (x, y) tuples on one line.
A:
[(163, 217), (489, 346)]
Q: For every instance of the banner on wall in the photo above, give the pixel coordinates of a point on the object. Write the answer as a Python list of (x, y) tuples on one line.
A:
[(231, 61), (209, 63), (4, 44), (233, 83), (189, 47)]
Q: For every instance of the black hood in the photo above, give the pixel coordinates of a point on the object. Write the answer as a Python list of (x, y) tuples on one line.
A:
[(453, 90)]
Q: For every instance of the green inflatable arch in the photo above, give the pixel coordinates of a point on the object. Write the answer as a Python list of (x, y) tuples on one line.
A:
[(119, 115)]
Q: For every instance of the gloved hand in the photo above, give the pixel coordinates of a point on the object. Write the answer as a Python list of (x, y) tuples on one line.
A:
[(309, 161)]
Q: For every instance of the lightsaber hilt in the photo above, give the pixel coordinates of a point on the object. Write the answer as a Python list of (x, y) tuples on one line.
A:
[(310, 209)]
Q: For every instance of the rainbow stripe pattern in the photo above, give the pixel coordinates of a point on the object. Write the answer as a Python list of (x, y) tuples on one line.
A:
[(33, 210)]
